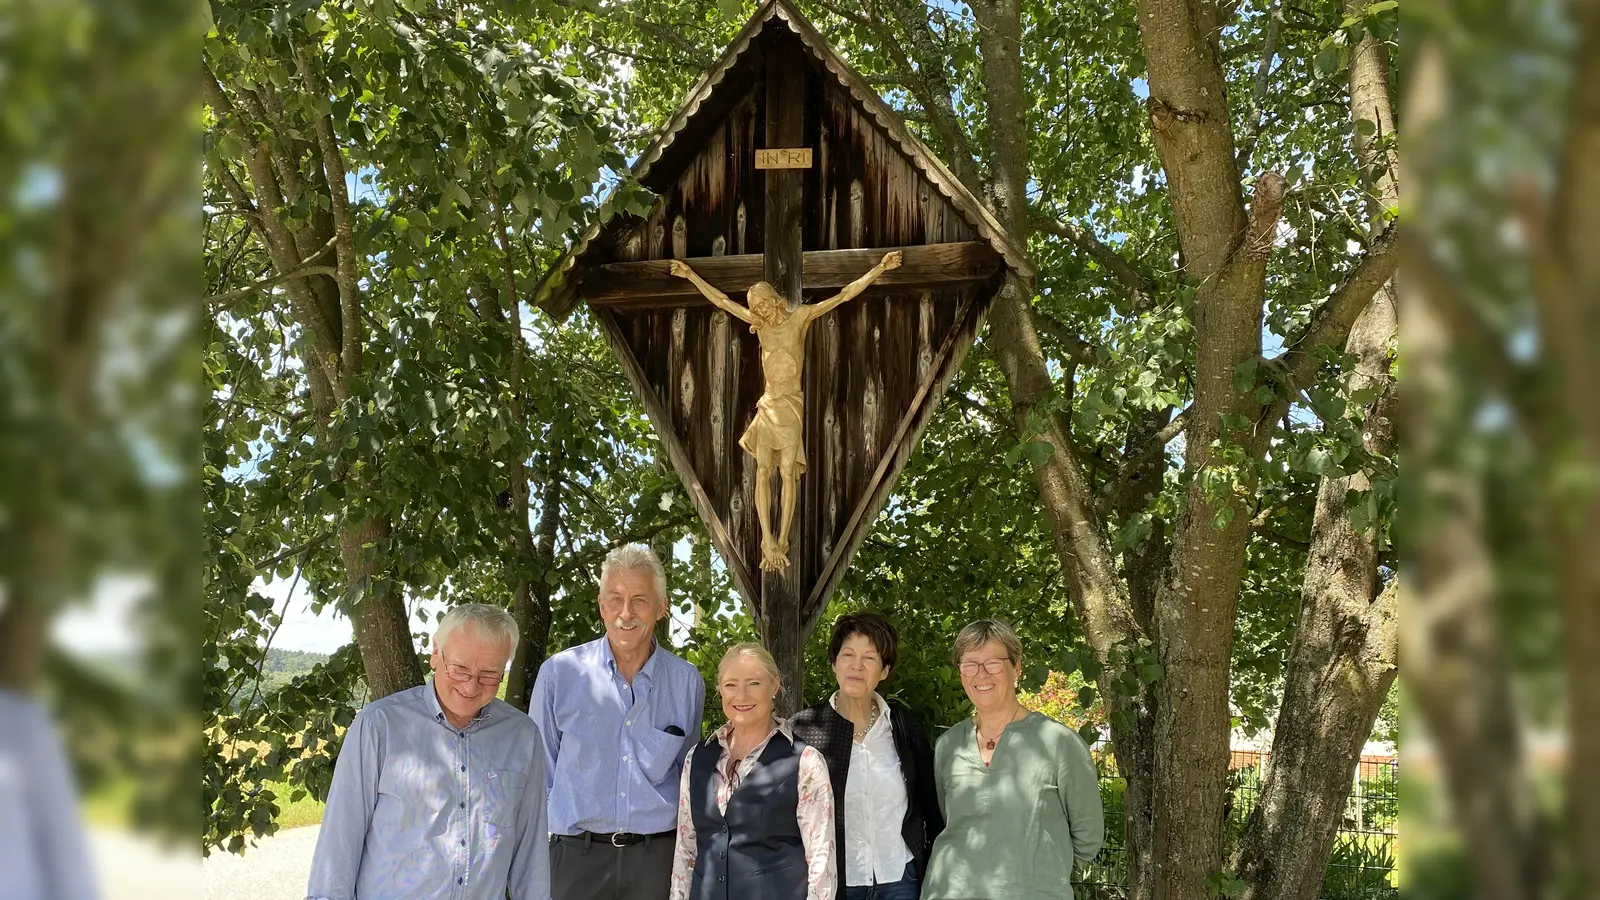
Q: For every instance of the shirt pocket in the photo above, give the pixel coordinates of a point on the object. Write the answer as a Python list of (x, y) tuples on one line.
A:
[(658, 752), (502, 796)]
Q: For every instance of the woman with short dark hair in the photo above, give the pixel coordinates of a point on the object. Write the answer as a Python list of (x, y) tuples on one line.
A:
[(886, 807)]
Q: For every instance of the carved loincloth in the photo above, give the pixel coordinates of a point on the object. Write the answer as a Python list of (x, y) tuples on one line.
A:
[(777, 425)]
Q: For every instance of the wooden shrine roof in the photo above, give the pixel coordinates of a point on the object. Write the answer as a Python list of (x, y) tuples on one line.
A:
[(557, 290)]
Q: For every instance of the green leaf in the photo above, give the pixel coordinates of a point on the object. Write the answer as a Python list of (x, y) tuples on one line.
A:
[(1038, 452), (1319, 461)]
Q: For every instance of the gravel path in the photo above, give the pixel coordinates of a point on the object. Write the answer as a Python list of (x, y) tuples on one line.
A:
[(133, 867), (275, 869)]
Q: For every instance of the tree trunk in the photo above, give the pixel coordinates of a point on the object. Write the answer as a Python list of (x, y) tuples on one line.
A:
[(24, 634), (532, 601), (1460, 676), (284, 169), (1088, 566), (530, 595), (1571, 312), (382, 628), (1345, 651), (1341, 664)]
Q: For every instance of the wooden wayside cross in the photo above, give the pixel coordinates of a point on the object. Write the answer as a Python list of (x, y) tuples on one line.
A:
[(784, 149)]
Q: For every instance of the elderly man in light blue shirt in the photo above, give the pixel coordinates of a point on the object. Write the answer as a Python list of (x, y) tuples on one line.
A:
[(439, 792), (617, 715)]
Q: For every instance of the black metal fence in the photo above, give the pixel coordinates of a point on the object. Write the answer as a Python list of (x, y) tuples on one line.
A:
[(1361, 867)]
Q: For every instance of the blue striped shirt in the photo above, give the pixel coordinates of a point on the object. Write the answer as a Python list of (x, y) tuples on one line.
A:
[(422, 809), (612, 765)]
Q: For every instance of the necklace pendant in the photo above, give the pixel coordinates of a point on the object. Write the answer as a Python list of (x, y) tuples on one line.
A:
[(989, 745)]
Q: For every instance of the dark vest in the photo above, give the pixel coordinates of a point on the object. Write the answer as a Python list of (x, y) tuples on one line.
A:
[(753, 851), (822, 728)]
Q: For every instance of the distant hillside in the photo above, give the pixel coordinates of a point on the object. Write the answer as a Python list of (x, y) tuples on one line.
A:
[(292, 662), (284, 666)]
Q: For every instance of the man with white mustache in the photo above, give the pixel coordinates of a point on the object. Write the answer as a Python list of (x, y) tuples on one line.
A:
[(617, 715)]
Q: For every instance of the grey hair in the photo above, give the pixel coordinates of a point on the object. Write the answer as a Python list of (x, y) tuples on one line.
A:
[(636, 558), (490, 622), (982, 632), (755, 651)]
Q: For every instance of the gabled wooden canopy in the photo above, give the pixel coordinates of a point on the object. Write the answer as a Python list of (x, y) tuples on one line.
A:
[(874, 369)]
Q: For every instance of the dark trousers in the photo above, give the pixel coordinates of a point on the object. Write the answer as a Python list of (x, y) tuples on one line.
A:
[(907, 888), (595, 870)]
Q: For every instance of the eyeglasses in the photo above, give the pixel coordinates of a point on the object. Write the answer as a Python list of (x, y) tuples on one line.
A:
[(992, 666), (462, 675)]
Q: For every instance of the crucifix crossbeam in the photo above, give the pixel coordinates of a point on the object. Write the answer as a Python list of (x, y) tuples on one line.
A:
[(788, 441), (650, 284)]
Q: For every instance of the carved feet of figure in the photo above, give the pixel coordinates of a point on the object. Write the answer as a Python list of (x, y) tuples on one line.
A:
[(774, 554)]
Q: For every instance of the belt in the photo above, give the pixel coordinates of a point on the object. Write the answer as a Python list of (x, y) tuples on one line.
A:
[(615, 839)]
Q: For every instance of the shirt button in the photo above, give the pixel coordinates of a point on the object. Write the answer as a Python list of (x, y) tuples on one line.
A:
[(463, 842), (463, 768), (722, 878), (463, 804), (461, 881), (624, 759)]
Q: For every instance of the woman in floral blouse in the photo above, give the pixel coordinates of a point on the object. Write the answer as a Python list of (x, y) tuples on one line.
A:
[(755, 809)]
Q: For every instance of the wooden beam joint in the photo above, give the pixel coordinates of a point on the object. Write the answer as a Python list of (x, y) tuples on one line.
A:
[(640, 285)]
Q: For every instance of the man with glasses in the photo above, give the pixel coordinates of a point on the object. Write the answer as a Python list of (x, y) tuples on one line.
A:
[(617, 715), (439, 791)]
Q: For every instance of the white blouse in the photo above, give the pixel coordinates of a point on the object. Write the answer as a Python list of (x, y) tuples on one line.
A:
[(874, 806)]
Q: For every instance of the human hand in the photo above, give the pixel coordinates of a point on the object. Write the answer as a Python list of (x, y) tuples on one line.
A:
[(679, 268), (893, 260)]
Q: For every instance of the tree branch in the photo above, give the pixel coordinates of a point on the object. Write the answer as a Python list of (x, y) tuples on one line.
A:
[(1081, 351), (1140, 287), (931, 87), (1158, 445), (961, 399), (265, 283), (291, 552), (343, 233), (1331, 324), (1258, 96), (588, 557), (281, 246)]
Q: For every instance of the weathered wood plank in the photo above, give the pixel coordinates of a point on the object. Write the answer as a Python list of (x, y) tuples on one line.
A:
[(677, 454), (946, 362), (782, 267), (647, 283)]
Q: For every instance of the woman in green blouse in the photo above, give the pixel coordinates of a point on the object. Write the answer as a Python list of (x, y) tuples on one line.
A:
[(1020, 796)]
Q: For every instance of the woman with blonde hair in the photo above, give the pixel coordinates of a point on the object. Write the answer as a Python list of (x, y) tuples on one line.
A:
[(755, 809), (1020, 794)]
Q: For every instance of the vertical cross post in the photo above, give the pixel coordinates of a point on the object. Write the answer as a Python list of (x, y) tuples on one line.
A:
[(781, 592)]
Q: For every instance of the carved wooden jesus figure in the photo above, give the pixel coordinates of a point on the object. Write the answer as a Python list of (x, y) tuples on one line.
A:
[(775, 437)]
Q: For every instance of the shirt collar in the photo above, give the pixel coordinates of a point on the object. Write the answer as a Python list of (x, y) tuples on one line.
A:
[(610, 659), (435, 707), (883, 709)]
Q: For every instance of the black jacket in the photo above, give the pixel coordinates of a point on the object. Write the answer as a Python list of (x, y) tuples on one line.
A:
[(823, 728)]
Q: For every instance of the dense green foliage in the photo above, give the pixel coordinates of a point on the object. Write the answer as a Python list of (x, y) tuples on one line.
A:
[(476, 141)]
